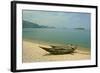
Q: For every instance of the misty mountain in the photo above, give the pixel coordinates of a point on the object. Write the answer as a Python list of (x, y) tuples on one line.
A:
[(27, 24)]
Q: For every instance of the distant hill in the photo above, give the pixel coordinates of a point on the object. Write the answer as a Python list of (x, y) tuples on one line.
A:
[(80, 28), (27, 24)]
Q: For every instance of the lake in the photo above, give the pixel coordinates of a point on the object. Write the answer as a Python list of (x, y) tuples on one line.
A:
[(59, 36)]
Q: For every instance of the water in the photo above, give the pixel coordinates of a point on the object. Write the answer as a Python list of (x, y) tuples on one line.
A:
[(59, 36)]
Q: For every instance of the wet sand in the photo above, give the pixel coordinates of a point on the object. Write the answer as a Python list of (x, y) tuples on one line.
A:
[(33, 53)]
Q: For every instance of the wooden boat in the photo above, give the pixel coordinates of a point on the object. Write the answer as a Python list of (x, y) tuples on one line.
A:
[(60, 49)]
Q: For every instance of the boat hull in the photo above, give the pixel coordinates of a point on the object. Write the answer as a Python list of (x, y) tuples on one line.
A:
[(58, 51)]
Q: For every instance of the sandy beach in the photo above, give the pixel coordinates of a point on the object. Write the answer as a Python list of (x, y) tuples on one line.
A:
[(31, 52)]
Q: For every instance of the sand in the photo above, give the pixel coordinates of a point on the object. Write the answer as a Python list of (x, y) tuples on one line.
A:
[(31, 52)]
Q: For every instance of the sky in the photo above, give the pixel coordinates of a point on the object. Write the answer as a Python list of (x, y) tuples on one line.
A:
[(58, 19)]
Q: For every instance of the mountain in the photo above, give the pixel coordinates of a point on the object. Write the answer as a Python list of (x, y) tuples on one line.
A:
[(27, 24)]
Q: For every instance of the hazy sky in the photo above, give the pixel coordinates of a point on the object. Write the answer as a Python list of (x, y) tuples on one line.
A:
[(58, 19)]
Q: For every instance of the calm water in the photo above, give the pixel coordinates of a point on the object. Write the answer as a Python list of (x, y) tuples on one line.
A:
[(59, 36)]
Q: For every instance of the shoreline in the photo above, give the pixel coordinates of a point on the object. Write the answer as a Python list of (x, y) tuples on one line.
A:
[(33, 53), (58, 44)]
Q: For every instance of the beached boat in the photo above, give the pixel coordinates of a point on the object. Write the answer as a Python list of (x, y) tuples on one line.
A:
[(69, 49)]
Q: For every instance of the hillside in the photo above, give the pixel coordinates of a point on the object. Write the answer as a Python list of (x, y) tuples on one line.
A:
[(27, 24)]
